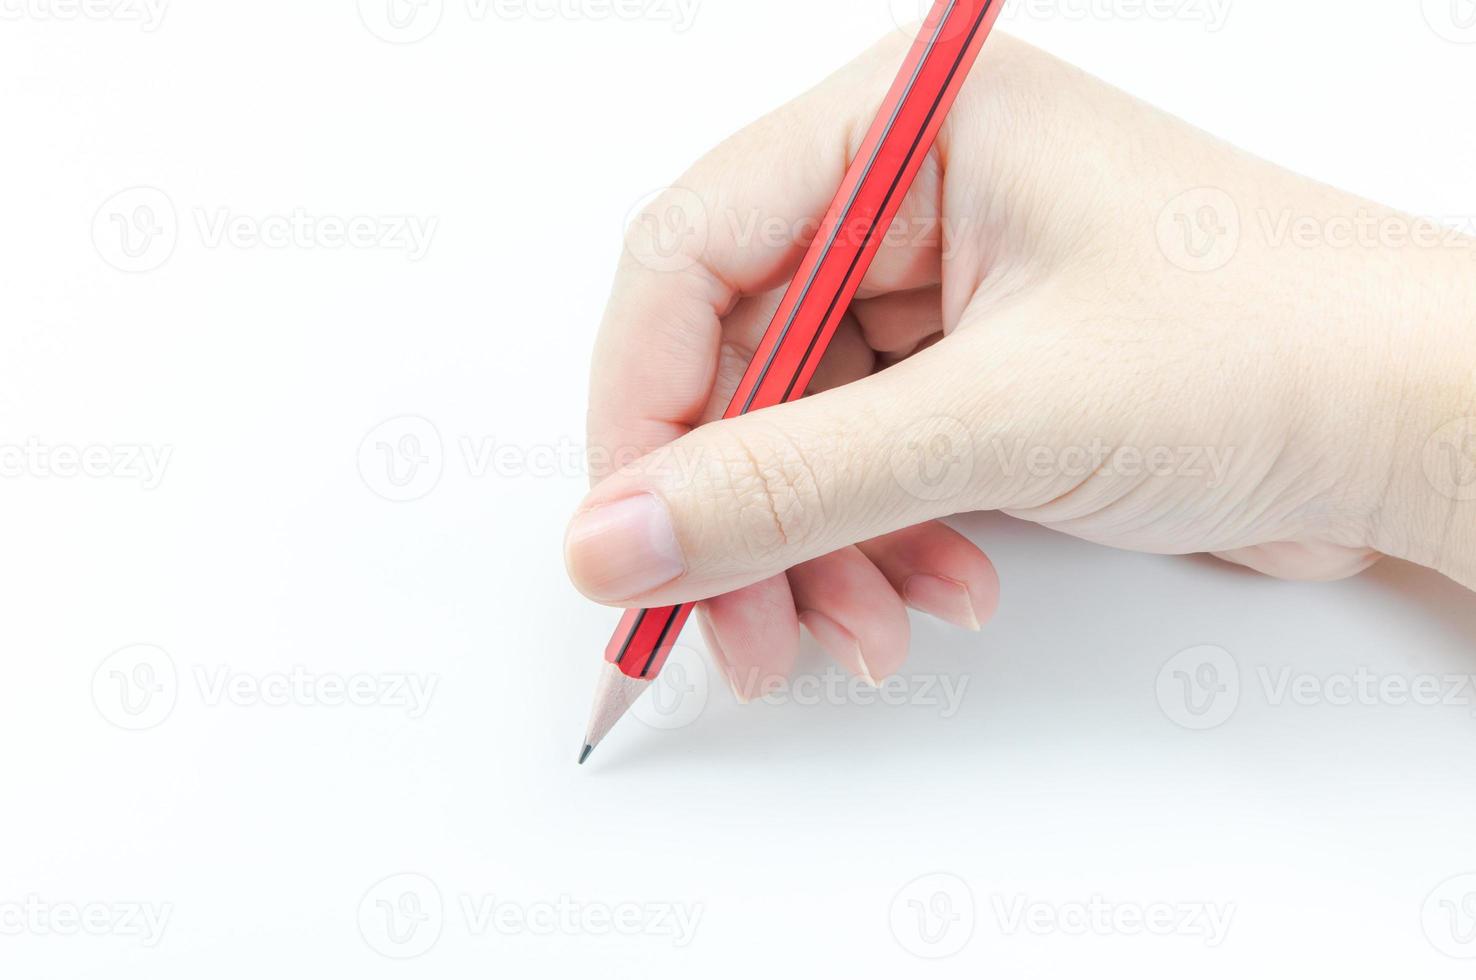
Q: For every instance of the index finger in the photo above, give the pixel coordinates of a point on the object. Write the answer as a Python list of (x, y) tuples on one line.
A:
[(699, 247)]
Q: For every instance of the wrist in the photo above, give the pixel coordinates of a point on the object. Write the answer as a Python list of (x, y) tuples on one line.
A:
[(1427, 513)]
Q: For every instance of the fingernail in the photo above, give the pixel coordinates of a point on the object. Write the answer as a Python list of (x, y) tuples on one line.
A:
[(720, 658), (622, 550), (839, 643), (946, 598)]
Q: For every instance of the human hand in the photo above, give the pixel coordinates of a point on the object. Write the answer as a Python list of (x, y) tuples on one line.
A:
[(1088, 315)]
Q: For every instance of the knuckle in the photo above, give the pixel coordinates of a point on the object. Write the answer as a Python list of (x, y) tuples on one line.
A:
[(771, 493)]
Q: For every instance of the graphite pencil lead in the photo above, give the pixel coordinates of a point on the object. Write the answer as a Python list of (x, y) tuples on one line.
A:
[(585, 753)]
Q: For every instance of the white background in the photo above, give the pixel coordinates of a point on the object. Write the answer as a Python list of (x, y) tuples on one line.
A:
[(795, 832)]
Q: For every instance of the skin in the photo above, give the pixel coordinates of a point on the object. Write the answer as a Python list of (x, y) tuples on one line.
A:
[(1065, 326)]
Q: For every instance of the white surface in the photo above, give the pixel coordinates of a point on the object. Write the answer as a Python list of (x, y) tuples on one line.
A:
[(793, 831)]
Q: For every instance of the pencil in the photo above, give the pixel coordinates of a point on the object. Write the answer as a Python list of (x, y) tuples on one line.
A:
[(849, 236)]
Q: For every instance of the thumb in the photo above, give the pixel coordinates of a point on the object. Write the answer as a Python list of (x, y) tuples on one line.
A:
[(737, 501)]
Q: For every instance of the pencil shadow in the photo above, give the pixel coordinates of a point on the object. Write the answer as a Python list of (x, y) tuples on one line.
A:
[(1081, 633)]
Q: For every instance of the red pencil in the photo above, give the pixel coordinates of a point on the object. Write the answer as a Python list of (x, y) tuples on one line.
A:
[(822, 290)]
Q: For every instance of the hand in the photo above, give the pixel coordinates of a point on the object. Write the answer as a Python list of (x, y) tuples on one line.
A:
[(1088, 315)]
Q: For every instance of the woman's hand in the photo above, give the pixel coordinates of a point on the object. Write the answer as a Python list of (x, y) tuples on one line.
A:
[(1088, 315)]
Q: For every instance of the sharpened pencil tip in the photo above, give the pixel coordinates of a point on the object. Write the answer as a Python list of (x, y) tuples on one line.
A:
[(613, 697)]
